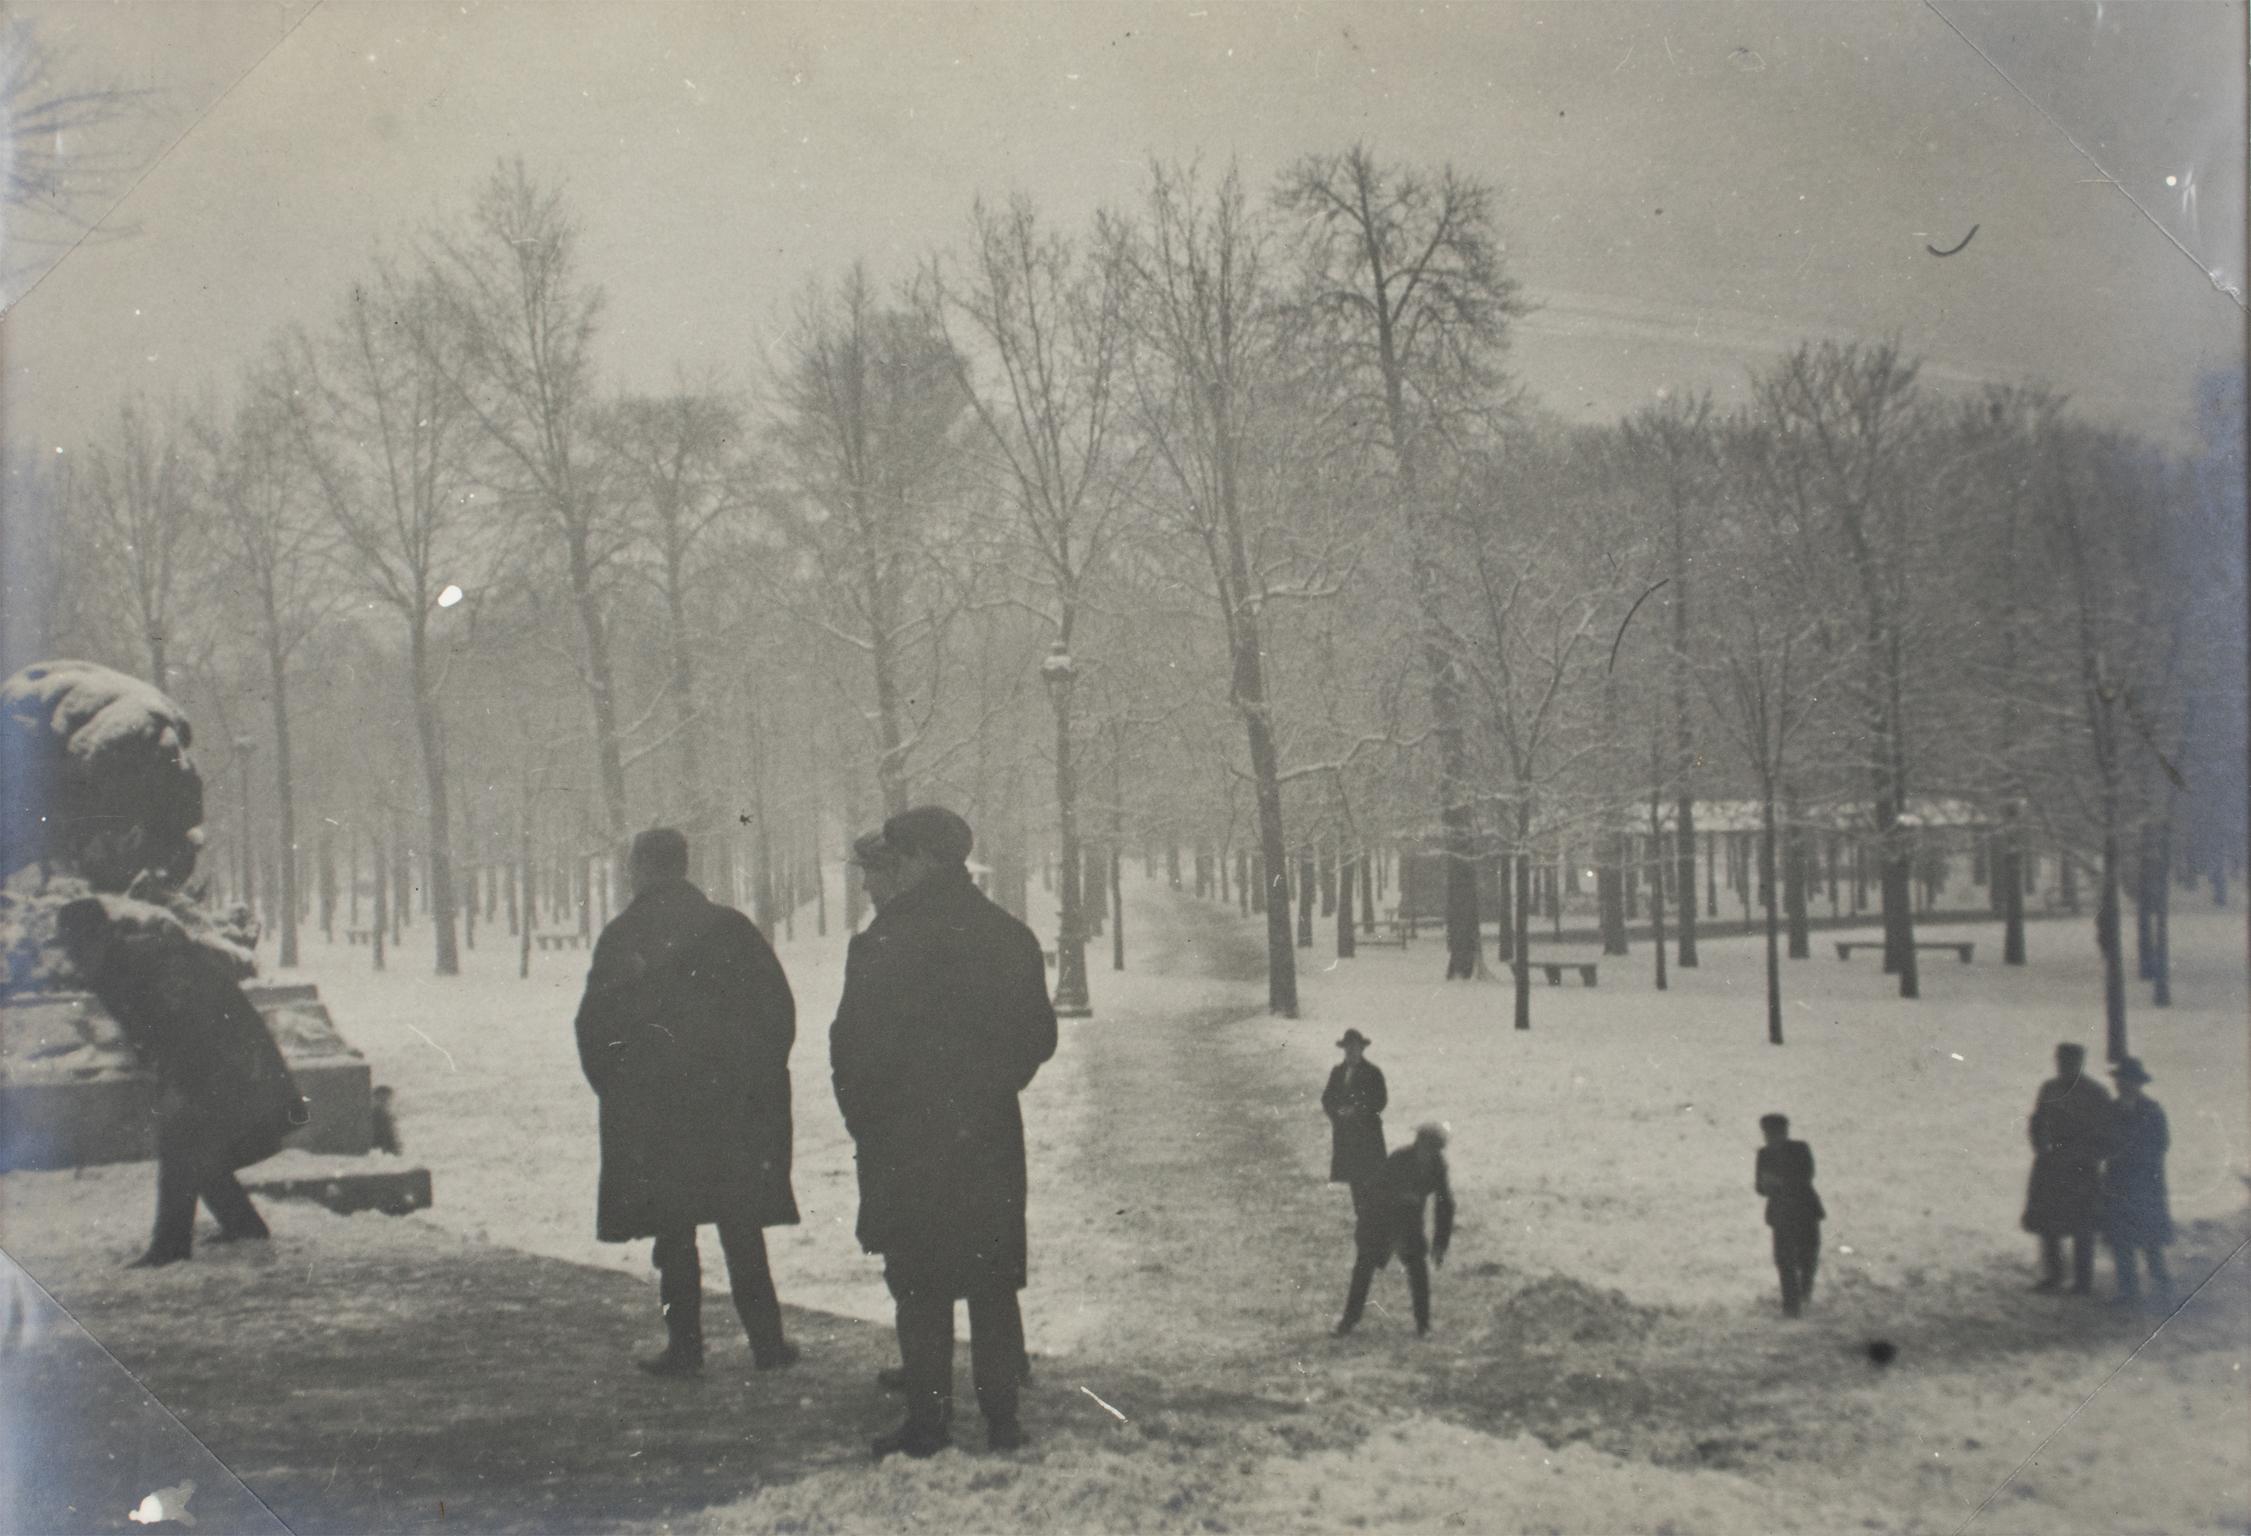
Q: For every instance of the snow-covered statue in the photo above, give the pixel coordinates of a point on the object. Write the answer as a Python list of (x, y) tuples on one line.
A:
[(95, 779)]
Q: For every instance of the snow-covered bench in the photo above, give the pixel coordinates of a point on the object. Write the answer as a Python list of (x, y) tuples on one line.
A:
[(1845, 947)]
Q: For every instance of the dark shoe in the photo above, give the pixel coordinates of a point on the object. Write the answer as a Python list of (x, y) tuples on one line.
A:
[(157, 1258), (673, 1363), (1005, 1435), (1793, 1309), (892, 1378), (781, 1359), (1345, 1326), (911, 1439)]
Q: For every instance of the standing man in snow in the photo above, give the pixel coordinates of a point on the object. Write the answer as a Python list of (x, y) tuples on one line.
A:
[(1391, 1221), (944, 1020), (2137, 1217), (685, 1033), (1784, 1174), (1354, 1101), (2070, 1130)]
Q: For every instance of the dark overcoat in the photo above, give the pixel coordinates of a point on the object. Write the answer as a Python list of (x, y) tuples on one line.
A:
[(2136, 1212), (685, 1033), (1784, 1174), (2070, 1130), (1390, 1220), (945, 1018), (226, 1096), (1356, 1137)]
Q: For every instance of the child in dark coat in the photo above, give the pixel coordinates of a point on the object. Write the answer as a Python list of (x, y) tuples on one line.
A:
[(1391, 1221), (1784, 1175)]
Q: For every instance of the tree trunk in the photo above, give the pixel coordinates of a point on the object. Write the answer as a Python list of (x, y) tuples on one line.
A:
[(526, 876), (1367, 891), (1070, 944), (1273, 889), (326, 868), (428, 735), (1657, 880), (382, 902), (1347, 870), (1504, 885), (1307, 895), (1522, 963), (1767, 836), (601, 688), (2110, 938), (1796, 858)]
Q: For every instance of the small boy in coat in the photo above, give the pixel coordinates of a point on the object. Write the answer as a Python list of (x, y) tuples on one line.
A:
[(2136, 1214), (1784, 1174), (1391, 1221)]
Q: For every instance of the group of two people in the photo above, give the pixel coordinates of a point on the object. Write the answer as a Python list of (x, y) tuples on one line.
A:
[(2098, 1165), (684, 1033)]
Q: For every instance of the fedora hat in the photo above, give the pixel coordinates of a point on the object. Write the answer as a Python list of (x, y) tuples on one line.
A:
[(2130, 1070), (1352, 1037)]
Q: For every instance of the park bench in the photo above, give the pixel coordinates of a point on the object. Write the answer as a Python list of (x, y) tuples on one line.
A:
[(556, 940), (1845, 947), (1556, 968), (359, 936)]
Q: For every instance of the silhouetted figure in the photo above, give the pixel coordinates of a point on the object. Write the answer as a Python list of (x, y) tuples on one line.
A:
[(225, 1097), (2137, 1217), (1354, 1101), (944, 1020), (2070, 1130), (685, 1033), (1784, 1174), (383, 1123), (1391, 1222)]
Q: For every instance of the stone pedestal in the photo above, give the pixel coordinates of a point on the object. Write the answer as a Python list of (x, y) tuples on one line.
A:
[(72, 1092)]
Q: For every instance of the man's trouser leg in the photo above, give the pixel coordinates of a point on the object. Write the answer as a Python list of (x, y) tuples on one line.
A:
[(926, 1348), (230, 1203), (996, 1351), (1809, 1261), (2160, 1278), (2051, 1258), (2083, 1261), (1364, 1261), (752, 1281), (177, 1182), (1418, 1288), (680, 1292), (1786, 1265)]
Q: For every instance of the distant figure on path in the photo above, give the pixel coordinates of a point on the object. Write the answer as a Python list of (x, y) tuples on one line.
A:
[(1784, 1174), (1354, 1101), (685, 1033), (2070, 1131), (944, 1020), (1391, 1221), (226, 1099), (2136, 1214)]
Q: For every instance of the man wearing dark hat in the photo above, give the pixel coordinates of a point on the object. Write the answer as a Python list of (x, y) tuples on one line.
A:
[(1391, 1222), (1784, 1174), (1354, 1101), (2070, 1129), (944, 1020), (2137, 1217), (685, 1033)]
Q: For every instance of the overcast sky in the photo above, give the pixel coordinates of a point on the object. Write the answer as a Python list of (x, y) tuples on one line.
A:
[(1684, 189)]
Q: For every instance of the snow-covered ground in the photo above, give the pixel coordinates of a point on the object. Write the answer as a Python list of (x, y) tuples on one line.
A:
[(1614, 1140), (1180, 1222)]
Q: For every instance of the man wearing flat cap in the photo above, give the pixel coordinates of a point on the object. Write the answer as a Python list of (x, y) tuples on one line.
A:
[(2070, 1128), (944, 1020), (2137, 1217), (684, 1033)]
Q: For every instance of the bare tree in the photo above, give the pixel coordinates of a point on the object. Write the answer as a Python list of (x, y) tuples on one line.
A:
[(1404, 273), (143, 528), (270, 532), (377, 419), (516, 344), (682, 473), (1047, 319), (868, 399)]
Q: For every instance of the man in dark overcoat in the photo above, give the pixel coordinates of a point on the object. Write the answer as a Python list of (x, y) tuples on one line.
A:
[(2070, 1130), (1391, 1222), (944, 1020), (2137, 1216), (1783, 1173), (1354, 1101), (225, 1097), (685, 1032)]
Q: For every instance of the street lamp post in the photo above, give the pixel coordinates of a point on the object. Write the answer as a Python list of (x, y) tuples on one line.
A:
[(243, 746), (1071, 1001)]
